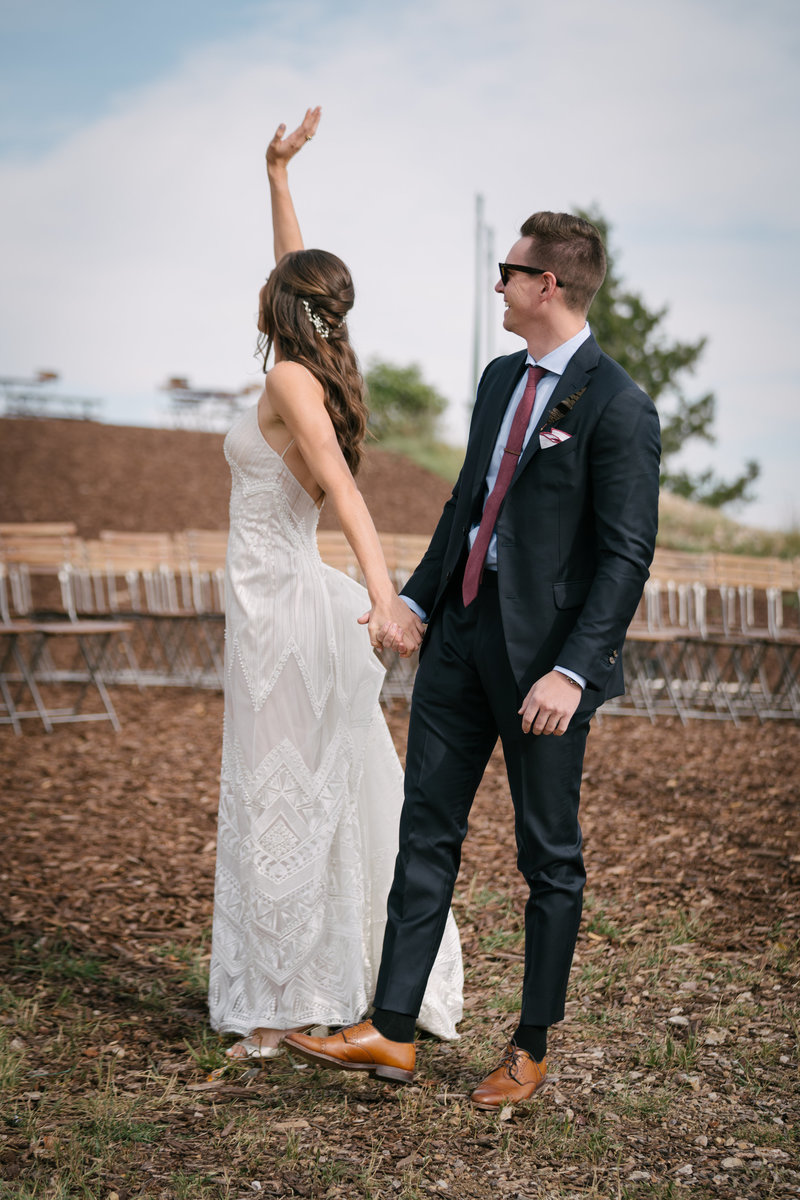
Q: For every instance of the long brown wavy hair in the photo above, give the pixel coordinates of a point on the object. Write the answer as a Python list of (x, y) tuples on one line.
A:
[(323, 281)]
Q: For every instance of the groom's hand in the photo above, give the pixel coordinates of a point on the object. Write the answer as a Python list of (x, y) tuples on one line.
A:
[(402, 631), (549, 705)]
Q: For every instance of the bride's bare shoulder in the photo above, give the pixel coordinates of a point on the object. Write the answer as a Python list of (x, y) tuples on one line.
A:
[(291, 375), (290, 388)]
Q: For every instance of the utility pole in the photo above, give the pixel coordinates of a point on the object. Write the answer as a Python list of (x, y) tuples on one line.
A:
[(491, 311), (477, 325), (483, 319)]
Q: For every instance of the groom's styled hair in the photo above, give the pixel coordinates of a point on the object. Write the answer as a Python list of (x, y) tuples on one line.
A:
[(573, 250)]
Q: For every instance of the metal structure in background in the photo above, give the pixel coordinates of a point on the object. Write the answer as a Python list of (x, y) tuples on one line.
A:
[(212, 410), (27, 398)]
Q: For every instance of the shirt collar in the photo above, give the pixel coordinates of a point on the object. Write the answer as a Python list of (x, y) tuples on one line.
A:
[(556, 360)]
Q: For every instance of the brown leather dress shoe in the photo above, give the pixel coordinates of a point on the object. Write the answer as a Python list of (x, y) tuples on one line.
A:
[(357, 1048), (517, 1078)]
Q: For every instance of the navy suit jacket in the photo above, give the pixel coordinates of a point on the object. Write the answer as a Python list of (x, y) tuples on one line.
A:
[(577, 528)]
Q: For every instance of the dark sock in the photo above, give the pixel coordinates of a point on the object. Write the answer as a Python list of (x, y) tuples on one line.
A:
[(397, 1027), (532, 1038)]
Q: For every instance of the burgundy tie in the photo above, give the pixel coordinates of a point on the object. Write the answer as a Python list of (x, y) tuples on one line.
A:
[(473, 572)]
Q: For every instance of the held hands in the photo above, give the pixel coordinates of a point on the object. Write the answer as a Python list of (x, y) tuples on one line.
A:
[(549, 705), (393, 626), (282, 149)]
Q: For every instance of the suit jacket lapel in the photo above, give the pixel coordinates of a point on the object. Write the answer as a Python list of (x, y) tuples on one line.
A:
[(576, 376)]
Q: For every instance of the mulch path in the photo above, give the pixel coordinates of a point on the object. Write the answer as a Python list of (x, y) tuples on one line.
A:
[(678, 1053)]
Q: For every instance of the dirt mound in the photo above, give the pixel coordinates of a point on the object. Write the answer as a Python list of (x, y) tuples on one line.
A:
[(132, 478)]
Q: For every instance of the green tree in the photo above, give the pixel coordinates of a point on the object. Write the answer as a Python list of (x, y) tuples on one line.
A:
[(633, 335), (401, 403)]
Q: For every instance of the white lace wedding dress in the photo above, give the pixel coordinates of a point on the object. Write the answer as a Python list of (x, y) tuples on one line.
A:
[(311, 787)]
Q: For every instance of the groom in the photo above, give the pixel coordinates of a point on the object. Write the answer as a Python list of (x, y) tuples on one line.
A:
[(528, 586)]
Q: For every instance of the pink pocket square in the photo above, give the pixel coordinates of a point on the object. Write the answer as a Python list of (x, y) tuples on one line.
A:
[(552, 437)]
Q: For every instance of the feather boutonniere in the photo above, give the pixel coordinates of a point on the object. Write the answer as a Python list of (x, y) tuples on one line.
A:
[(563, 407)]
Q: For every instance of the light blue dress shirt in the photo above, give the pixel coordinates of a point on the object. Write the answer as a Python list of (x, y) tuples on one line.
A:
[(555, 363)]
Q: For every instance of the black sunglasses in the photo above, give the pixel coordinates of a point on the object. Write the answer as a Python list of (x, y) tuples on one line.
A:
[(507, 268)]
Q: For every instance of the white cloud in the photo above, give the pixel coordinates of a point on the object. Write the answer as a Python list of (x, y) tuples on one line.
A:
[(135, 250)]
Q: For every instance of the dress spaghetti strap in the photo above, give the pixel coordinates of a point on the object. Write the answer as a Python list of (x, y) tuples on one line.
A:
[(291, 443)]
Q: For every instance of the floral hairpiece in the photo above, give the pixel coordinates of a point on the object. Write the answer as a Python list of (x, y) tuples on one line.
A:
[(316, 320)]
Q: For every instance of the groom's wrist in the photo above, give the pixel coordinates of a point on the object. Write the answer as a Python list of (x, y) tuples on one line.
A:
[(572, 677), (415, 608)]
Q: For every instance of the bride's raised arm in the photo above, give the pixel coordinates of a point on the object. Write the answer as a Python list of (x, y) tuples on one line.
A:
[(280, 151)]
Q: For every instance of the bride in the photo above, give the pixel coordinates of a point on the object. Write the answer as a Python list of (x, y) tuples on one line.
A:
[(311, 788)]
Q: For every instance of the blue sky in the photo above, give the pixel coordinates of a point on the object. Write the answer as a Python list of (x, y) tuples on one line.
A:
[(134, 230), (64, 63)]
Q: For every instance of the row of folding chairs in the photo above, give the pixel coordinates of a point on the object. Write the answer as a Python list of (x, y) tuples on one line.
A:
[(719, 677), (731, 594), (715, 634), (181, 572), (168, 588), (146, 572), (169, 585), (53, 664), (116, 572)]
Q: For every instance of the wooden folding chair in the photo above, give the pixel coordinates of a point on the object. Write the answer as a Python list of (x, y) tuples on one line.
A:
[(676, 592), (35, 568), (32, 529), (203, 552), (13, 682), (175, 589), (27, 645)]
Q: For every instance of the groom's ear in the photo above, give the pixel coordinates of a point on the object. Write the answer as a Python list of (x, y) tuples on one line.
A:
[(548, 286)]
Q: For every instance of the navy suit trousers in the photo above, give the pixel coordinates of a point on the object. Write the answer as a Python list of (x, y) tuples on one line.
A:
[(465, 696)]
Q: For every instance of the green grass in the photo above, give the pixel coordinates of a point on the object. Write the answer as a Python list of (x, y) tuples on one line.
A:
[(683, 525), (597, 920), (783, 951), (664, 1052), (193, 957), (11, 1062), (600, 924), (194, 1185), (681, 927), (503, 939), (58, 959), (640, 1104), (110, 1131), (438, 457)]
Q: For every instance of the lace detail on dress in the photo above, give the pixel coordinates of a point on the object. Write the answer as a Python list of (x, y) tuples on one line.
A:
[(310, 786), (259, 696)]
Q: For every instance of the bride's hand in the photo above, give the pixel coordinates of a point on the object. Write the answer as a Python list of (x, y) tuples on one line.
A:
[(281, 149), (404, 643), (394, 627)]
